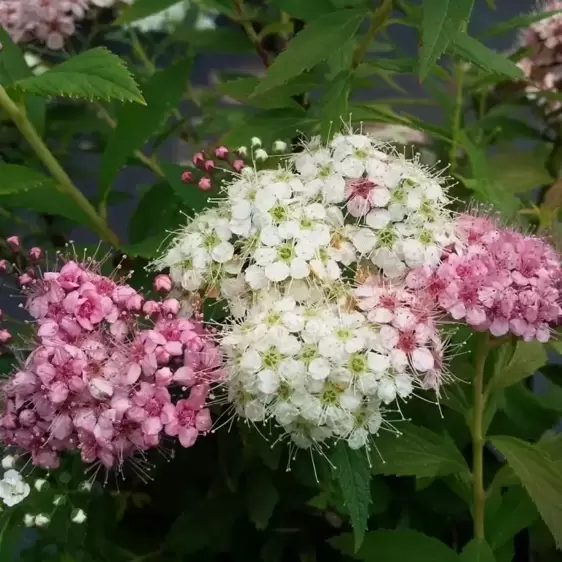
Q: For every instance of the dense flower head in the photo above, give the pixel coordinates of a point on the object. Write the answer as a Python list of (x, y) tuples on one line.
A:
[(497, 279), (109, 373), (542, 41)]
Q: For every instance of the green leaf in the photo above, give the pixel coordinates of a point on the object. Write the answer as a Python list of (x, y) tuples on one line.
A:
[(142, 9), (417, 452), (441, 19), (15, 178), (261, 498), (12, 63), (528, 358), (354, 476), (523, 20), (94, 74), (136, 123), (515, 513), (190, 195), (334, 104), (477, 550), (540, 476), (306, 11), (473, 51), (313, 45), (396, 546)]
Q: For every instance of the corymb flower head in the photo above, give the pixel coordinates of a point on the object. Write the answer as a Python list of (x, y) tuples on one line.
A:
[(108, 373)]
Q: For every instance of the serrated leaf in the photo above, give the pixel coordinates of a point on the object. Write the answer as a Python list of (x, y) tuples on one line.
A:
[(15, 178), (354, 476), (12, 63), (417, 452), (334, 104), (477, 550), (515, 513), (528, 358), (136, 123), (396, 546), (472, 50), (311, 46), (261, 498), (441, 19), (94, 74), (523, 20), (142, 9), (306, 11), (540, 476), (190, 195)]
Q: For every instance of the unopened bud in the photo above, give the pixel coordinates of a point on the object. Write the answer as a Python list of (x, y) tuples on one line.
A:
[(78, 516), (5, 266), (256, 141), (162, 356), (279, 146), (35, 253), (40, 484), (8, 462), (14, 243), (187, 177), (29, 520), (221, 152), (198, 159), (151, 307), (205, 184), (59, 500), (162, 283), (134, 303), (85, 486), (171, 306), (261, 155), (42, 520), (237, 165), (5, 336), (209, 165), (242, 151), (25, 279)]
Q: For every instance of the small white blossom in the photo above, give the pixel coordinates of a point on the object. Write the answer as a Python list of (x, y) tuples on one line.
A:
[(8, 461), (29, 520), (279, 146), (39, 484), (78, 516), (42, 520), (13, 489)]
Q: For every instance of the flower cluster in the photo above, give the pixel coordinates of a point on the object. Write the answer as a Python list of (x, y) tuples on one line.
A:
[(542, 41), (13, 488), (498, 280), (109, 374)]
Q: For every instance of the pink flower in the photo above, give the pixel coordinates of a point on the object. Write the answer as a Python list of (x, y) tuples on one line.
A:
[(205, 184), (363, 194), (186, 177), (89, 307), (221, 152), (14, 243), (5, 336), (153, 407), (162, 283)]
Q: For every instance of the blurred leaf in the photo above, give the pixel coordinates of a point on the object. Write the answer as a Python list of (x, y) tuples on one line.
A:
[(15, 178), (307, 10), (136, 123), (12, 63), (142, 9), (523, 20), (334, 104), (261, 498), (396, 546), (354, 476), (528, 358), (540, 476), (441, 19), (94, 74), (477, 550), (241, 90), (518, 171), (311, 46), (216, 40), (515, 513), (417, 452), (473, 51)]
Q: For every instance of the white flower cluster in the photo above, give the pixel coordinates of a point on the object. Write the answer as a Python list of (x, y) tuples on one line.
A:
[(320, 372), (283, 248), (13, 488)]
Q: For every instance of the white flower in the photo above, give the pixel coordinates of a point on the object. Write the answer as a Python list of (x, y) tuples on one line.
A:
[(78, 516), (261, 155), (13, 489), (29, 520), (42, 520), (279, 146), (85, 486), (255, 141), (39, 484), (59, 500), (8, 461)]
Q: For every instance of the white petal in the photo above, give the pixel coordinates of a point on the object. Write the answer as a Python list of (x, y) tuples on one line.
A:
[(299, 269), (319, 368), (277, 271), (378, 218)]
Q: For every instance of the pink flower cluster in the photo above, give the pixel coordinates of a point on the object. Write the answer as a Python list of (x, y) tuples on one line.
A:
[(498, 280), (110, 374), (49, 21), (543, 40), (363, 194), (408, 327)]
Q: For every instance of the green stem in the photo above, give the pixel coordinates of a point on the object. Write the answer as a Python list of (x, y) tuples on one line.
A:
[(138, 49), (64, 183), (478, 437), (378, 18), (457, 114), (238, 6)]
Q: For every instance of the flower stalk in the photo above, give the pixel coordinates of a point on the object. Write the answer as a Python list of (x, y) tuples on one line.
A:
[(64, 183)]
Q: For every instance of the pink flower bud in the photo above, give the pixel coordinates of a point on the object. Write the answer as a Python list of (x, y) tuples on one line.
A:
[(171, 306), (162, 283), (5, 336), (151, 307), (163, 376), (162, 356), (209, 165), (237, 165), (5, 266), (14, 243), (205, 184), (187, 177), (1, 314), (35, 253), (221, 152), (25, 279), (134, 303), (199, 159)]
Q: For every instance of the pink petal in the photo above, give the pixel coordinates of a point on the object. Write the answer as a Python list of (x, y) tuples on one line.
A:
[(152, 426), (188, 436), (184, 376)]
